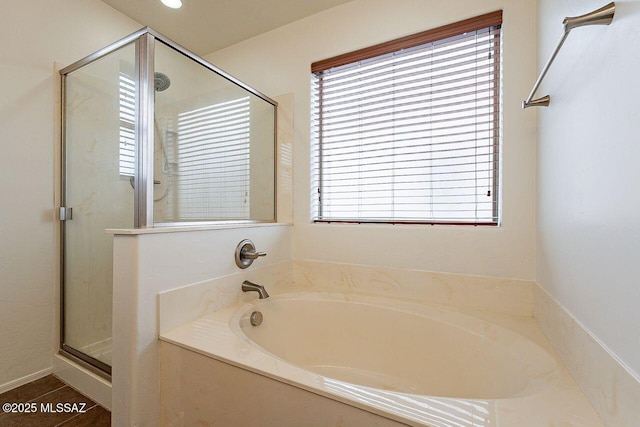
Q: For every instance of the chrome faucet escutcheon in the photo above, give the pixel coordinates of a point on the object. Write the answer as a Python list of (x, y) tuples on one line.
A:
[(248, 286), (246, 253)]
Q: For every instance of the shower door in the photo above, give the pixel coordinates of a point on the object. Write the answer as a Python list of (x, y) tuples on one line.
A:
[(98, 166), (152, 135)]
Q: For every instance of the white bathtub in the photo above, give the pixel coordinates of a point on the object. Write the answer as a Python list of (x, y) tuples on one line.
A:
[(396, 346), (416, 364)]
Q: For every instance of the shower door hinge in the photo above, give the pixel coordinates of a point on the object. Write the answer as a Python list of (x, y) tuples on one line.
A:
[(66, 214)]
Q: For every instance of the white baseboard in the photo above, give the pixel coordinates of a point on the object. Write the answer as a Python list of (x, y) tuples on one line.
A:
[(25, 380), (83, 380)]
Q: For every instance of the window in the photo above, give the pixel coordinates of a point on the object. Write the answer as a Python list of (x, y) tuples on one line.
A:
[(409, 131), (126, 158), (206, 163), (213, 178)]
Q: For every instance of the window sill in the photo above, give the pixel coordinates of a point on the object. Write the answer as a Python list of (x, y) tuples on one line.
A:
[(384, 222), (226, 225)]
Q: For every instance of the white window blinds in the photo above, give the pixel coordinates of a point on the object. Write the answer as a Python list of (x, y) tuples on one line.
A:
[(213, 178), (207, 161), (409, 131), (126, 158)]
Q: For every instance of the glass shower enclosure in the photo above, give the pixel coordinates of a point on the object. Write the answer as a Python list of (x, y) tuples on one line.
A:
[(152, 136)]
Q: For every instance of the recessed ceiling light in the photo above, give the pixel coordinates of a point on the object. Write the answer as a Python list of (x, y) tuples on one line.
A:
[(173, 4)]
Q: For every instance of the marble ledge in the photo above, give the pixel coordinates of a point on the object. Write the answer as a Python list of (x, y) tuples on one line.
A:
[(612, 387), (200, 227)]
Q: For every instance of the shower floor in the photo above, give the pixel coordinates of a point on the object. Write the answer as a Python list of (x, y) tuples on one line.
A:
[(100, 350)]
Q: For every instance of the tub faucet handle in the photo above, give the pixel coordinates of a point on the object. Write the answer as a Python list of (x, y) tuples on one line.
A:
[(246, 253), (252, 254)]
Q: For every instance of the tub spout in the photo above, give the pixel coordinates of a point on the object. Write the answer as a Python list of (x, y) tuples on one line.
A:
[(248, 286)]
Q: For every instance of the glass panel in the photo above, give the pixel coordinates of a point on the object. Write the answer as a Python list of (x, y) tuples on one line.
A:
[(214, 145), (99, 167)]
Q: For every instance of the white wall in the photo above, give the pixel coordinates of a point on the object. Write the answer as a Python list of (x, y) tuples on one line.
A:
[(147, 264), (588, 233), (279, 62), (154, 261), (35, 34)]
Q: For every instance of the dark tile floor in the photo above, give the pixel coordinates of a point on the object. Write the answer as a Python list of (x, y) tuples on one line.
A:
[(48, 402)]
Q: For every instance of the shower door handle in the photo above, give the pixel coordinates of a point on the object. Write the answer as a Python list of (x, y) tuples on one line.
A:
[(66, 214)]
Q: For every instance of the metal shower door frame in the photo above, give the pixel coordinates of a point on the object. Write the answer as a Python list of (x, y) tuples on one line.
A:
[(145, 40)]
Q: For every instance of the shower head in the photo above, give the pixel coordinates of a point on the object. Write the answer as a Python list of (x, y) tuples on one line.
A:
[(602, 16), (161, 82)]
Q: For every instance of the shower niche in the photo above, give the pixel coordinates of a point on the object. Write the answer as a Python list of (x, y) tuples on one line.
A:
[(152, 136)]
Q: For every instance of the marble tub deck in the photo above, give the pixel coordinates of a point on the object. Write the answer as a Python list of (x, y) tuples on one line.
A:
[(559, 402)]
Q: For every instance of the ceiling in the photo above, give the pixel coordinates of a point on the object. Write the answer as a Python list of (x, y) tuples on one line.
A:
[(204, 26)]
